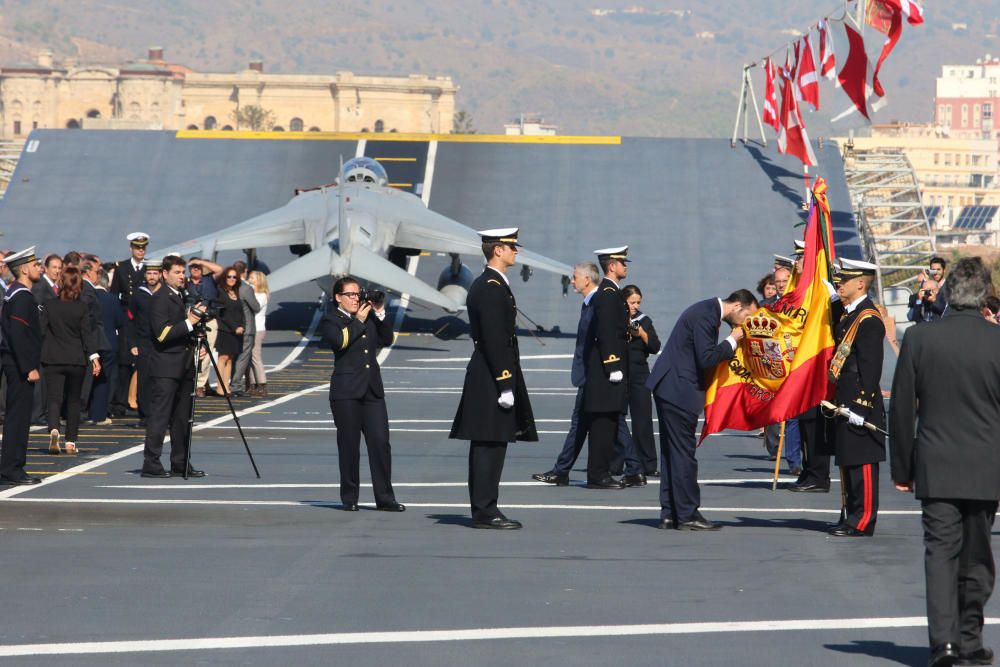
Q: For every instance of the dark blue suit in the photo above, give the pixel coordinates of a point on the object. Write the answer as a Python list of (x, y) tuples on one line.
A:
[(576, 436), (113, 320), (678, 382)]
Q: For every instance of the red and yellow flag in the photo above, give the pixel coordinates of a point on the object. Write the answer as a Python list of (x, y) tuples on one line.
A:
[(780, 369)]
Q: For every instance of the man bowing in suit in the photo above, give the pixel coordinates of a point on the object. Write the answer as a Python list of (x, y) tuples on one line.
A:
[(678, 382), (494, 409)]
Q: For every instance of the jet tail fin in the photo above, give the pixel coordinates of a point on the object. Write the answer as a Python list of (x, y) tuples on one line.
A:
[(371, 266)]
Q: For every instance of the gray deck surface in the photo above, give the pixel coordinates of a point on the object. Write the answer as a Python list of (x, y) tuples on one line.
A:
[(108, 556)]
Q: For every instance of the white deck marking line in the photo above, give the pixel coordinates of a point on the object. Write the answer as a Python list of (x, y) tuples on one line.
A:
[(601, 632), (462, 368), (463, 506), (412, 485), (301, 345), (522, 357), (359, 151)]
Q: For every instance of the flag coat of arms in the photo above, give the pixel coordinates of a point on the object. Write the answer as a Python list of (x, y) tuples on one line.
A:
[(781, 367)]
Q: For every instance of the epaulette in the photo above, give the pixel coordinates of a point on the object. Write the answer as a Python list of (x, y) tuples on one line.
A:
[(610, 289), (495, 282)]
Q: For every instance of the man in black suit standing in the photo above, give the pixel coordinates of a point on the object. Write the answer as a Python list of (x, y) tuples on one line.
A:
[(605, 392), (494, 408), (947, 381), (171, 375), (47, 288), (355, 331), (857, 370), (678, 382), (21, 353)]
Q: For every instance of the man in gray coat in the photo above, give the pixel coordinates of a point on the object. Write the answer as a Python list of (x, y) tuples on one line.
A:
[(947, 382), (250, 308)]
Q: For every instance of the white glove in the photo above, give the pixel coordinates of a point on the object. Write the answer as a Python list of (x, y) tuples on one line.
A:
[(855, 419), (506, 400), (615, 377)]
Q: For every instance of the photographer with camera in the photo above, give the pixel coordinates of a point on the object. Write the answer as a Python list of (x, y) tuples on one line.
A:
[(922, 303), (643, 342), (171, 373), (355, 331), (202, 284)]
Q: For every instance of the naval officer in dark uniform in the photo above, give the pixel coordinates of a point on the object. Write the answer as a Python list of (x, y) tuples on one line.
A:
[(139, 335), (494, 408), (20, 352), (355, 331), (605, 392), (857, 369), (129, 276), (171, 375)]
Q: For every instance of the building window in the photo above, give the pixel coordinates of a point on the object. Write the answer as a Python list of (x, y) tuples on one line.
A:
[(17, 128), (965, 115), (210, 123), (296, 125), (937, 158), (277, 128), (72, 124), (315, 129), (93, 113), (975, 115), (192, 127), (34, 125), (988, 111), (379, 126), (947, 159), (227, 128)]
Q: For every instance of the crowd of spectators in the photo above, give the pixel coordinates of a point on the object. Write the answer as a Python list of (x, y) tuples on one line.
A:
[(91, 348)]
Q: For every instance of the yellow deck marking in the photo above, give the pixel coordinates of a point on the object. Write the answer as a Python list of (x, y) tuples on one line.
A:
[(373, 137)]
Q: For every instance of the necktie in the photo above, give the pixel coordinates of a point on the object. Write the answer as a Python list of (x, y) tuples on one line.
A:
[(55, 288)]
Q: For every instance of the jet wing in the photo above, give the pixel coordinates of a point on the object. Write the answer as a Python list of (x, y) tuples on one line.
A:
[(301, 221)]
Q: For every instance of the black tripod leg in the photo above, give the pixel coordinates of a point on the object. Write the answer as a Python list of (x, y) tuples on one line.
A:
[(232, 410)]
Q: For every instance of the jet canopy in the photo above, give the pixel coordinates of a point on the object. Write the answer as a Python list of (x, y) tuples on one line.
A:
[(364, 170)]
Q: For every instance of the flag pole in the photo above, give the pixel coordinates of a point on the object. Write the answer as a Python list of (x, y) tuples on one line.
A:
[(777, 460), (756, 109), (741, 109)]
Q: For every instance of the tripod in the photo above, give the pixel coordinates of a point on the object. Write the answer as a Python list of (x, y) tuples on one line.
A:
[(201, 342)]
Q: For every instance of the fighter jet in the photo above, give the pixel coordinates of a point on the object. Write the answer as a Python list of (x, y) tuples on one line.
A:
[(360, 226)]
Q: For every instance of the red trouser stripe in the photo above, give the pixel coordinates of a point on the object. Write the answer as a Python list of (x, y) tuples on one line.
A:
[(866, 471)]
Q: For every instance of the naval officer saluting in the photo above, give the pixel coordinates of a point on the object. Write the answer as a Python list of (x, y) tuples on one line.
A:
[(494, 409), (21, 354)]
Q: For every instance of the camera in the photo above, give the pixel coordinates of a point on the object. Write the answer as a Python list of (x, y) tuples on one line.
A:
[(376, 297), (634, 325), (206, 310), (927, 293)]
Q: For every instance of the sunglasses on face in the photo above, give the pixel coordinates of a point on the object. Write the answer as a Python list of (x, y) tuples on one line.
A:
[(230, 277)]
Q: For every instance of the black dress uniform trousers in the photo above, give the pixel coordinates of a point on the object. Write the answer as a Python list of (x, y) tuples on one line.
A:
[(486, 460), (356, 417), (861, 487), (16, 425), (959, 567), (603, 429), (169, 408)]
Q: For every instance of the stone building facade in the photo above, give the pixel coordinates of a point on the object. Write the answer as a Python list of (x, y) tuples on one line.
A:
[(155, 94)]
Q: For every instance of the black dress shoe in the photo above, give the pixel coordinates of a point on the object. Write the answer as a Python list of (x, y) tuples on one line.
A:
[(983, 656), (498, 523), (391, 507), (653, 473), (191, 473), (945, 654), (698, 522), (809, 487), (634, 480), (158, 474), (350, 507), (551, 477), (606, 483), (847, 530), (20, 481), (666, 524)]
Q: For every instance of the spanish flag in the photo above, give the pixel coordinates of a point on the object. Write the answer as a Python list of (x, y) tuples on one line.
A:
[(781, 367)]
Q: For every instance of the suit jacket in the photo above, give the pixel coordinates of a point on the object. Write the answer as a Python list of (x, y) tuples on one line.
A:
[(43, 292), (112, 320), (67, 335), (858, 389), (172, 352), (139, 330), (89, 297), (250, 307), (682, 372), (608, 351), (948, 381), (21, 348), (126, 281), (584, 339), (495, 367), (355, 346)]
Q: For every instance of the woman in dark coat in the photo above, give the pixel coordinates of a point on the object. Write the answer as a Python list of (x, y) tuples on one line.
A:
[(231, 325), (69, 347), (643, 343)]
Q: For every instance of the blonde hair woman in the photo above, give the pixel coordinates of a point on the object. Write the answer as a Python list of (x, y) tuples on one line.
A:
[(257, 377)]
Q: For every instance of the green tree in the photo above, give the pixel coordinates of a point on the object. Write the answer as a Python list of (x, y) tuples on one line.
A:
[(462, 123), (253, 117)]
